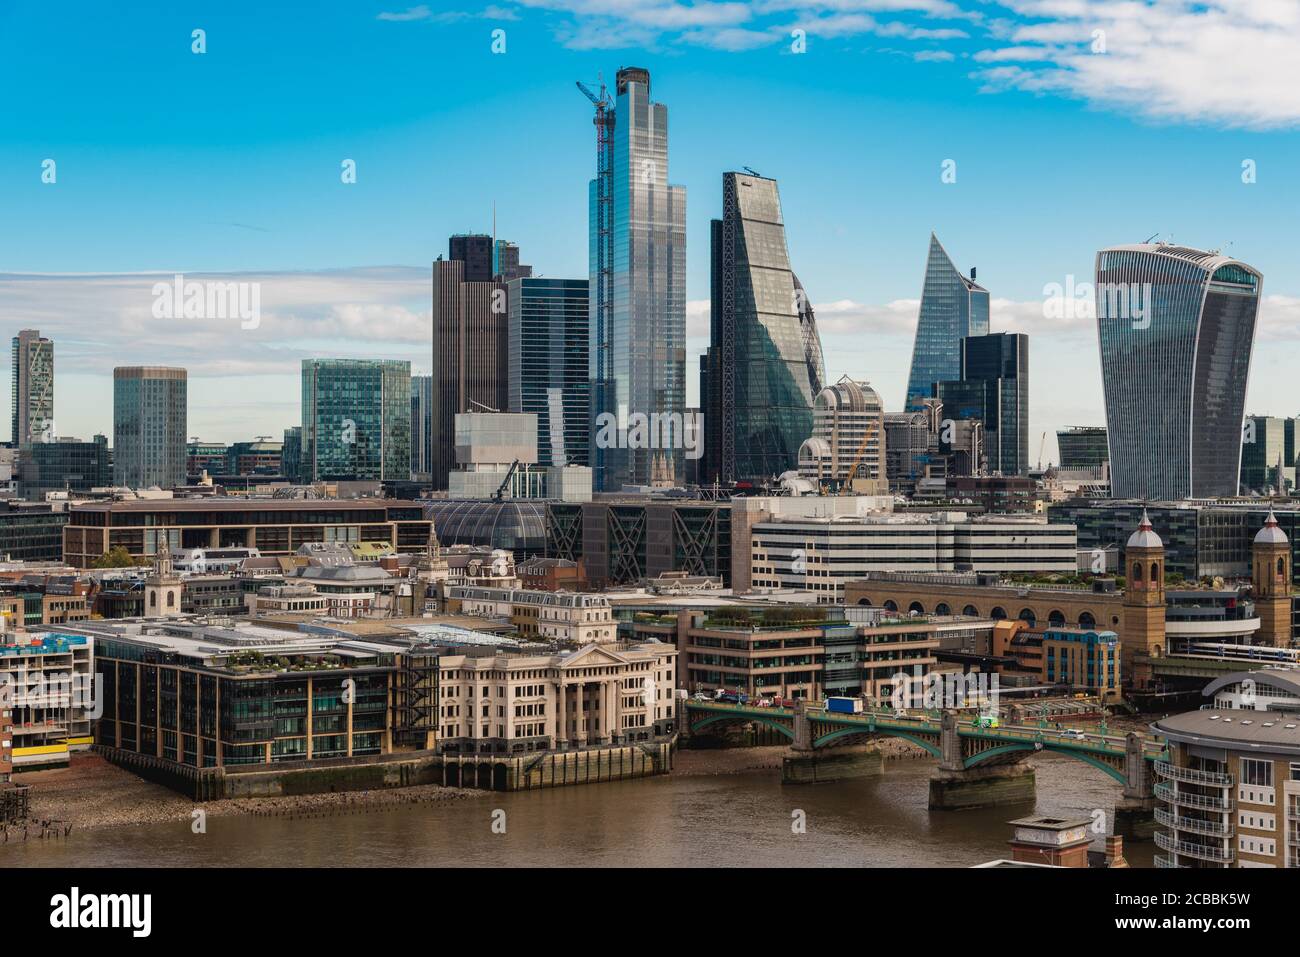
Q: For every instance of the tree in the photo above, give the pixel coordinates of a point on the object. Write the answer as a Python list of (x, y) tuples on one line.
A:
[(115, 557)]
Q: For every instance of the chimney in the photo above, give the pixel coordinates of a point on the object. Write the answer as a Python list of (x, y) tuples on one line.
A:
[(1115, 851)]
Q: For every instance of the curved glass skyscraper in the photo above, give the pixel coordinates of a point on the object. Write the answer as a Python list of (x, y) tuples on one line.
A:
[(1176, 327), (952, 308), (764, 352)]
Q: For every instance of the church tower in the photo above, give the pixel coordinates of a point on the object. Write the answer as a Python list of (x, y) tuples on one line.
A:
[(1144, 602), (1270, 560), (430, 570), (162, 589)]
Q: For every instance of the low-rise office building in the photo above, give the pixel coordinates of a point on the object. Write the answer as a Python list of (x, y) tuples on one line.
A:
[(272, 526), (822, 554)]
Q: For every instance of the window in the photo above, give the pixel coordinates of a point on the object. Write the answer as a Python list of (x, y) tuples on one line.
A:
[(1257, 772)]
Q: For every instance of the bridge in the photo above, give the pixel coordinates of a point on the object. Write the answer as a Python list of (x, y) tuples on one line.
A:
[(978, 765)]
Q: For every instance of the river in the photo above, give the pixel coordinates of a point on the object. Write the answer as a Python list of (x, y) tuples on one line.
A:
[(674, 820)]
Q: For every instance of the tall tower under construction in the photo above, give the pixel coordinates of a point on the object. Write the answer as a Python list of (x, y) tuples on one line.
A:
[(638, 286)]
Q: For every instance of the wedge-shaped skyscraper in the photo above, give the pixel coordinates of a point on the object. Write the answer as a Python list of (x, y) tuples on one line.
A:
[(764, 355), (1176, 327), (952, 308)]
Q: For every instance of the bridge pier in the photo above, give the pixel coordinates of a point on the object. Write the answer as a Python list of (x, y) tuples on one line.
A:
[(1135, 811), (832, 764), (955, 787)]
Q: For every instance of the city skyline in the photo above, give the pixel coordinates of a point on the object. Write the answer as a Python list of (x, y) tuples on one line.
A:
[(327, 288)]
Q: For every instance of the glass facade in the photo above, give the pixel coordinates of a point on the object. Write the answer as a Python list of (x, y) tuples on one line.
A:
[(952, 308), (1176, 327), (549, 355), (763, 352), (1083, 447), (421, 427), (638, 346), (64, 464), (149, 427), (994, 388), (1268, 454), (356, 419)]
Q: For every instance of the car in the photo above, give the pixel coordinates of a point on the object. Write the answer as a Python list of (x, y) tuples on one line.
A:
[(1075, 734)]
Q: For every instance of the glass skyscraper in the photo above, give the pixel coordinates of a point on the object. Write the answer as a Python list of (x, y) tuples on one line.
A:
[(952, 308), (1082, 447), (422, 427), (994, 388), (356, 420), (764, 355), (32, 388), (149, 426), (1176, 327), (549, 345), (638, 283)]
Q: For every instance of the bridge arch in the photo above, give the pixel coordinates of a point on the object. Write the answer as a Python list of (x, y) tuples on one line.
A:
[(1069, 752), (831, 736), (774, 724)]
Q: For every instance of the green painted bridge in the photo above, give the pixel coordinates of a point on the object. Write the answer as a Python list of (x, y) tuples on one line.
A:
[(959, 744)]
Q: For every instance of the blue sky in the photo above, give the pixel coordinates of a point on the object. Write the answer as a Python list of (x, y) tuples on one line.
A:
[(228, 163)]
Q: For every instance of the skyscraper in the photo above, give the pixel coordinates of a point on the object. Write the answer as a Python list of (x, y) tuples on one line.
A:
[(149, 426), (1082, 447), (994, 388), (764, 351), (32, 388), (476, 251), (356, 420), (952, 308), (470, 355), (1268, 454), (638, 282), (1176, 327), (548, 359), (421, 427)]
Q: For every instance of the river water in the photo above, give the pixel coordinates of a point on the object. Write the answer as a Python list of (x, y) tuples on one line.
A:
[(674, 820)]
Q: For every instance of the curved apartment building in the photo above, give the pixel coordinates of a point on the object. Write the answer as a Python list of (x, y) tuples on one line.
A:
[(1175, 326)]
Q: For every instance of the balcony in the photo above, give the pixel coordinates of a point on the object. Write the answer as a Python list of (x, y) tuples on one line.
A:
[(1164, 860), (1195, 825), (1192, 775), (1203, 852), (1170, 796)]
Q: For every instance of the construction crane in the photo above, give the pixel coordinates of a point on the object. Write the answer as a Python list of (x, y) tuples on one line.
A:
[(872, 431), (602, 295), (483, 406), (500, 493)]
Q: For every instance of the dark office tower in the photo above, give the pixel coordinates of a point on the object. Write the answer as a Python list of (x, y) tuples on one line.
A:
[(291, 459), (761, 353), (812, 342), (149, 427), (421, 427), (63, 464), (637, 238), (1176, 327), (470, 355), (1082, 447), (32, 388), (994, 388), (952, 308), (549, 337), (475, 251), (356, 420)]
